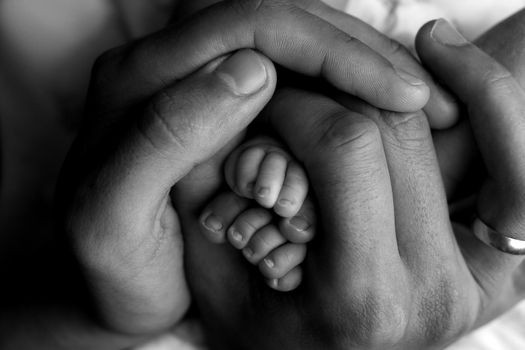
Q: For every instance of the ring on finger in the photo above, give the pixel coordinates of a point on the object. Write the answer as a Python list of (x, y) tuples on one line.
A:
[(497, 240)]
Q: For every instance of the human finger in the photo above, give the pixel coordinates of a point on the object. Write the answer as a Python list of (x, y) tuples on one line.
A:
[(442, 108), (121, 191), (495, 102), (307, 45), (188, 122), (343, 155)]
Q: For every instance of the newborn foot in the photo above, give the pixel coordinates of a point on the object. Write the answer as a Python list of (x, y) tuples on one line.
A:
[(262, 170), (277, 249)]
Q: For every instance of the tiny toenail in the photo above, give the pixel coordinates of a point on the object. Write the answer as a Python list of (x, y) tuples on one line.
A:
[(274, 282), (236, 235), (269, 262), (213, 223), (285, 203), (248, 252), (299, 223), (263, 191)]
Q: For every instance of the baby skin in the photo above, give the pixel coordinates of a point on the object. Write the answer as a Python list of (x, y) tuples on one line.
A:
[(267, 214)]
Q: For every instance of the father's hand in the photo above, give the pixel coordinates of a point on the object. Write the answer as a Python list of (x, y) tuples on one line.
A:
[(163, 105), (388, 268)]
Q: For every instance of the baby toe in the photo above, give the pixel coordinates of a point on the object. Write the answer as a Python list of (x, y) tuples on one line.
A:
[(288, 282), (219, 215), (247, 170), (270, 179), (282, 260), (262, 243), (300, 228), (293, 191), (246, 225)]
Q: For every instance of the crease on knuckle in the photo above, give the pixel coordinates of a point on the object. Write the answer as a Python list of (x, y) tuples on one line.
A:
[(343, 132), (156, 128), (408, 131), (395, 48), (497, 82)]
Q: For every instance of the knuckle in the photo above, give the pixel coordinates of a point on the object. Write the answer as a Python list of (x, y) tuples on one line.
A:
[(395, 48), (445, 312), (383, 320), (344, 132), (157, 126), (370, 319), (409, 131), (498, 81)]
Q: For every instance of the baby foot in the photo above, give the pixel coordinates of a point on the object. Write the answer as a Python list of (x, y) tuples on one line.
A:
[(261, 169), (278, 251)]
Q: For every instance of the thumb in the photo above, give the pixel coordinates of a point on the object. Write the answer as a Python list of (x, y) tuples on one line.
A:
[(495, 102), (188, 122), (120, 212)]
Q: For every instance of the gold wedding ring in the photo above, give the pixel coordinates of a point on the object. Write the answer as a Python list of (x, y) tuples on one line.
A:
[(491, 237)]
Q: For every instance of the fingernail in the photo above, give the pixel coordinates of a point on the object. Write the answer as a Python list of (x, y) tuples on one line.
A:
[(244, 72), (213, 223), (249, 187), (236, 235), (269, 262), (263, 191), (299, 223), (285, 202), (445, 34), (409, 78)]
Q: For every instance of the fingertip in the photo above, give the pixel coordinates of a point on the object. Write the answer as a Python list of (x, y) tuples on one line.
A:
[(411, 96), (244, 72), (442, 110)]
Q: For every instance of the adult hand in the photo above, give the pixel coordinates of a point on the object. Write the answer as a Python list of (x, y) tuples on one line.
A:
[(158, 109), (463, 168), (441, 109), (388, 268)]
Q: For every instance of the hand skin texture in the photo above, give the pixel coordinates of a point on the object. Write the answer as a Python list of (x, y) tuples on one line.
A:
[(389, 270), (159, 108)]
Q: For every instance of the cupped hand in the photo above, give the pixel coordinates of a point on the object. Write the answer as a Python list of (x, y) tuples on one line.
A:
[(165, 106), (388, 268)]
